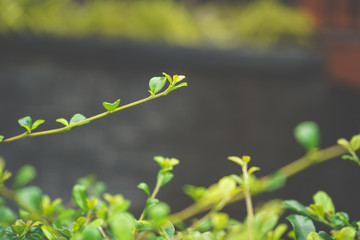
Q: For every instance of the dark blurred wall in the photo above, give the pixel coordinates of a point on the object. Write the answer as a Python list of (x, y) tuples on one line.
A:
[(238, 102)]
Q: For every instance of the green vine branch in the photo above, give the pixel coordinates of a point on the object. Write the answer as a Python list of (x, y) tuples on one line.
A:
[(156, 84)]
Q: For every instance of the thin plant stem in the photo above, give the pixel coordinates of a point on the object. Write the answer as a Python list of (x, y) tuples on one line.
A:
[(154, 193), (248, 202), (87, 120)]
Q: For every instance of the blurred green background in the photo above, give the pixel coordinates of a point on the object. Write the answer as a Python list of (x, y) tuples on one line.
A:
[(181, 23)]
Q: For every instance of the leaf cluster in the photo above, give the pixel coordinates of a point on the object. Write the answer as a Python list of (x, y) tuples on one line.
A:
[(322, 210)]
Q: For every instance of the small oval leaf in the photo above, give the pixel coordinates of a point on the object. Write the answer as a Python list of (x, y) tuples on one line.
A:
[(1, 138), (167, 229), (30, 197), (62, 121), (355, 142), (80, 195), (37, 123), (25, 175), (296, 206), (167, 176), (26, 122), (91, 233), (178, 78), (156, 84), (144, 187), (111, 106), (168, 77), (323, 199), (78, 118), (308, 135), (302, 226), (123, 226), (158, 211)]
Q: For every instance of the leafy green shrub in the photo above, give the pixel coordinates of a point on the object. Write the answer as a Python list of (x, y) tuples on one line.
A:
[(261, 22), (97, 215)]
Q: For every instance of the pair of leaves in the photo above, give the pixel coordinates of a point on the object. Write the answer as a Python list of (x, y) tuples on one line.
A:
[(240, 161), (75, 119), (111, 106), (351, 146), (166, 164), (27, 123), (1, 138)]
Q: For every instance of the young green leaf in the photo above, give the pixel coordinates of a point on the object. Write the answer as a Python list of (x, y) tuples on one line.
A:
[(19, 226), (308, 135), (62, 121), (100, 187), (123, 226), (346, 233), (144, 187), (178, 78), (302, 226), (49, 234), (167, 176), (239, 180), (91, 233), (184, 84), (156, 84), (355, 142), (343, 142), (1, 138), (253, 169), (25, 175), (340, 219), (30, 197), (295, 206), (159, 211), (78, 118), (26, 122), (348, 157), (168, 77), (37, 123), (7, 216), (151, 202), (80, 195), (168, 230), (323, 199), (279, 231), (236, 160), (111, 106)]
